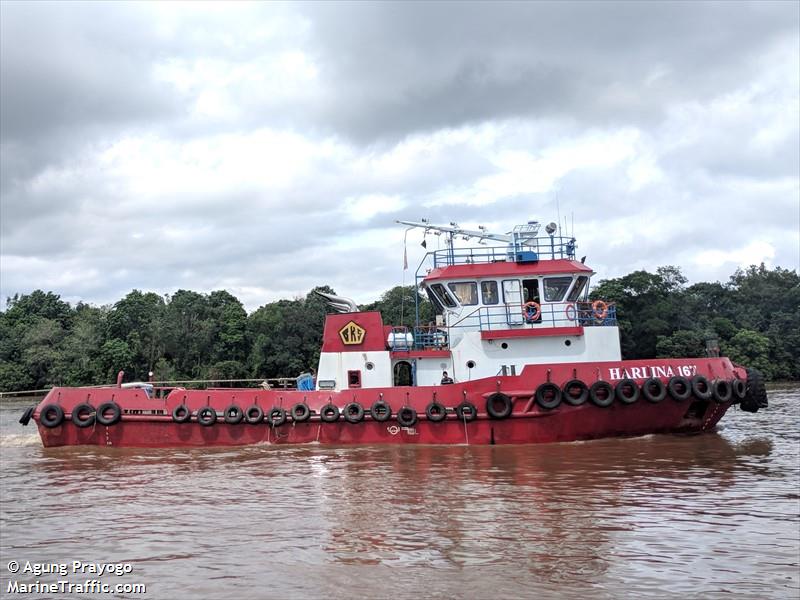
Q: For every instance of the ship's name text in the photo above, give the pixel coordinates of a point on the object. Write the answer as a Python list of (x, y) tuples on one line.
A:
[(616, 373)]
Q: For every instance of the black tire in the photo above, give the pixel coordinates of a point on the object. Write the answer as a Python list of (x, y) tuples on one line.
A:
[(499, 406), (108, 413), (436, 412), (679, 388), (755, 393), (83, 415), (654, 390), (276, 416), (701, 388), (353, 412), (51, 415), (234, 414), (601, 394), (467, 411), (300, 412), (26, 416), (181, 414), (330, 413), (721, 390), (254, 414), (380, 411), (406, 417), (548, 396), (568, 392), (739, 388), (627, 391), (207, 416)]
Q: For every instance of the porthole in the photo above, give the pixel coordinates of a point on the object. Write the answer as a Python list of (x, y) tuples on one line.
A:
[(470, 364), (567, 343), (369, 366), (504, 346)]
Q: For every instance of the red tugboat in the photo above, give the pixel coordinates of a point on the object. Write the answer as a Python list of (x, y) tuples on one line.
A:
[(517, 355)]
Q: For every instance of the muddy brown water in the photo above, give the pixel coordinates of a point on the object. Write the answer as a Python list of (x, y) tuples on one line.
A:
[(715, 515)]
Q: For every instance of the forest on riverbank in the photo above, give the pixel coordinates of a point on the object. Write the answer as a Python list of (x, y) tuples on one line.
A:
[(754, 319)]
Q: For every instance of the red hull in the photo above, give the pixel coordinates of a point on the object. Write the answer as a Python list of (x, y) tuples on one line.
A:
[(148, 422)]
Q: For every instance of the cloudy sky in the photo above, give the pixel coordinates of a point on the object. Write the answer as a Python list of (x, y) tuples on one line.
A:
[(267, 148)]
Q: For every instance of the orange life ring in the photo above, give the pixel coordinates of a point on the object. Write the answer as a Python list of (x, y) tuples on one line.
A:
[(600, 309), (531, 316)]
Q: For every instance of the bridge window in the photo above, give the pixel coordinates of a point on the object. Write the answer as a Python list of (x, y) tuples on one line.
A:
[(466, 292), (555, 288), (441, 294), (489, 292), (580, 284)]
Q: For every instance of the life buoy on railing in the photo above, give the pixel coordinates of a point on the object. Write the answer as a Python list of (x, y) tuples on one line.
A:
[(571, 312), (531, 311), (600, 310)]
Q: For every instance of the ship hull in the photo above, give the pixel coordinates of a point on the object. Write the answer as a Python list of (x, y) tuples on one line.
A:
[(149, 422)]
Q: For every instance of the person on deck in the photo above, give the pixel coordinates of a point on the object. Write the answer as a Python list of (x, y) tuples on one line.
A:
[(446, 378)]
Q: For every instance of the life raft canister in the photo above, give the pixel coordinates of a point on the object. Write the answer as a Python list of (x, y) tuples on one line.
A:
[(108, 413), (531, 311)]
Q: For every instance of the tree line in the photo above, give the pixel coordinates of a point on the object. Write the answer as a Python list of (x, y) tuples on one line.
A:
[(754, 318)]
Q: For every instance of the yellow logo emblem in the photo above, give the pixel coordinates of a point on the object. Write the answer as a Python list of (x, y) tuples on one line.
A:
[(352, 334)]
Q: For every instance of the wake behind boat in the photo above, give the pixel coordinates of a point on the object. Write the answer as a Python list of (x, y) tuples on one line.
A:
[(517, 355)]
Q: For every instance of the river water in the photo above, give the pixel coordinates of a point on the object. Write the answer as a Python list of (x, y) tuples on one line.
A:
[(715, 515)]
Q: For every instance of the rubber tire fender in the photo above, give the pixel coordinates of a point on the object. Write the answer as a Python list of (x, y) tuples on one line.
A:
[(330, 413), (595, 397), (652, 395), (80, 409), (739, 388), (755, 394), (51, 415), (254, 414), (467, 411), (276, 416), (380, 411), (300, 412), (353, 412), (114, 417), (582, 397), (406, 417), (436, 412), (181, 414), (26, 416), (674, 388), (721, 390), (507, 406), (625, 397), (207, 416), (234, 414), (701, 388), (541, 396)]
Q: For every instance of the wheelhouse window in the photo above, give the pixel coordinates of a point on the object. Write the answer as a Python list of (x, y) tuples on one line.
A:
[(577, 290), (489, 292), (445, 299), (555, 288), (466, 292)]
